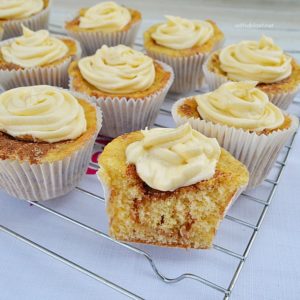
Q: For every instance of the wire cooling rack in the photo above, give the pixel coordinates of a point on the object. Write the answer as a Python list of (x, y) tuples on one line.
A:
[(268, 190)]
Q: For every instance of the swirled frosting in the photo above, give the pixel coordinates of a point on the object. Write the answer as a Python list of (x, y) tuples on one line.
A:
[(240, 105), (106, 16), (261, 61), (19, 9), (170, 158), (178, 33), (41, 113), (34, 49), (118, 69)]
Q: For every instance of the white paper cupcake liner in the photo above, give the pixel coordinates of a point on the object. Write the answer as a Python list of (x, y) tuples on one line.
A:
[(92, 41), (257, 152), (39, 182), (56, 75), (122, 115), (214, 80), (13, 28), (188, 70)]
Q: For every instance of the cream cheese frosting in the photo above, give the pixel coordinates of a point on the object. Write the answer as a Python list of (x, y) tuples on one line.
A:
[(240, 105), (169, 158), (178, 33), (20, 9), (34, 49), (41, 113), (261, 61), (105, 16), (118, 69)]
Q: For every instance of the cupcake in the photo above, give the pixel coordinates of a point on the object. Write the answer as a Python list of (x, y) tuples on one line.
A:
[(277, 73), (184, 45), (168, 187), (243, 120), (128, 86), (37, 58), (33, 14), (106, 23), (46, 139)]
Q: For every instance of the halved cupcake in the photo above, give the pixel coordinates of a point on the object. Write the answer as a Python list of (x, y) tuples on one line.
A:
[(128, 85), (184, 45), (37, 58), (277, 73), (168, 187), (33, 14), (243, 120), (46, 139), (106, 23)]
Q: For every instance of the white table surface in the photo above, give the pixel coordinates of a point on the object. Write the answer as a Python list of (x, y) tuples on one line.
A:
[(272, 270)]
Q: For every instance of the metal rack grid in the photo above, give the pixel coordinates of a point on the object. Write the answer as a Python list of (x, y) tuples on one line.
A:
[(225, 291)]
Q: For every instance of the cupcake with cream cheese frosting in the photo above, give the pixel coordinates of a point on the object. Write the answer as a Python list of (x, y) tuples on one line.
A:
[(172, 185), (46, 139), (184, 45), (106, 23), (128, 85), (243, 120), (33, 14), (37, 58), (277, 73)]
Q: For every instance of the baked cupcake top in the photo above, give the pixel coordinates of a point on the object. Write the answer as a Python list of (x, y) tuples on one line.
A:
[(169, 158), (178, 33), (19, 9), (118, 69), (41, 114), (261, 61), (240, 105), (34, 49), (105, 16)]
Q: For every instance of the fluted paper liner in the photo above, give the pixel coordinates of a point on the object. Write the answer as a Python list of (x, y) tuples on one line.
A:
[(188, 69), (214, 80), (13, 28), (91, 41), (122, 115), (257, 152), (56, 75), (43, 181)]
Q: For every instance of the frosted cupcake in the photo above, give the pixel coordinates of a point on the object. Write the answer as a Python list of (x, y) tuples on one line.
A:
[(169, 186), (277, 73), (184, 45), (46, 139), (106, 23), (33, 14), (37, 58), (128, 85), (243, 120)]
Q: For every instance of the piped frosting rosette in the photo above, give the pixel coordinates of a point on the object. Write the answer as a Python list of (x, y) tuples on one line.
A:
[(33, 14), (106, 23), (123, 71), (179, 34), (38, 58), (244, 122), (262, 61), (47, 115)]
